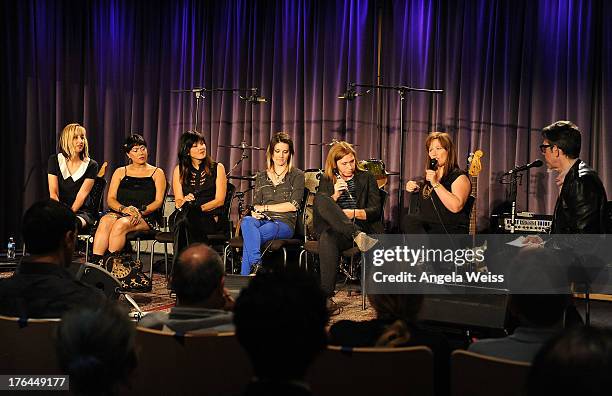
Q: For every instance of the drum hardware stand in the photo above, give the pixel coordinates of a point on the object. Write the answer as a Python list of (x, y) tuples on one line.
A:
[(243, 156), (351, 94)]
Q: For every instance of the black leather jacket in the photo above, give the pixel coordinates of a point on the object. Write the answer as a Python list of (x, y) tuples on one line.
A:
[(581, 206)]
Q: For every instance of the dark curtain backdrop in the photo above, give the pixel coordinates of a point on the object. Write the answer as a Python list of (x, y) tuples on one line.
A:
[(508, 68)]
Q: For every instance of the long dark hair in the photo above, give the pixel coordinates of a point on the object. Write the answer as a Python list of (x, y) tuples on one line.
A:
[(186, 142)]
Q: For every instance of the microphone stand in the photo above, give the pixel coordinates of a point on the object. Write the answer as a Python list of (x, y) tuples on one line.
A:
[(515, 179), (401, 90)]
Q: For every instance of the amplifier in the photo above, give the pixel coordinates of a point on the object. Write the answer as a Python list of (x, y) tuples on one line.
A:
[(524, 223)]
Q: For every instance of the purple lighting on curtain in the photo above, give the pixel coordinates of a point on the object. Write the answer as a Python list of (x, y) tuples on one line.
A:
[(507, 68)]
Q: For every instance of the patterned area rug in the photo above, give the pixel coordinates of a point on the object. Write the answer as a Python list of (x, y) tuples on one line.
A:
[(159, 299)]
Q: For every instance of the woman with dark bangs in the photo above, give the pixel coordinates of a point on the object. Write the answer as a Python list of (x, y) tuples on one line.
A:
[(199, 184), (135, 197)]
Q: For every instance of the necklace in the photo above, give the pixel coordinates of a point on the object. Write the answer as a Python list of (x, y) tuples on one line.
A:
[(278, 175)]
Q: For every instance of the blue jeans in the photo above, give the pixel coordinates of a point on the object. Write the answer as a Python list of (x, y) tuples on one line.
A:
[(254, 234)]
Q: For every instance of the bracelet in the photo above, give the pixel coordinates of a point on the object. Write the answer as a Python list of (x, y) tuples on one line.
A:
[(436, 185), (121, 208)]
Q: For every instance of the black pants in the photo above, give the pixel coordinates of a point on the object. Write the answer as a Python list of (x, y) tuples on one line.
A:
[(193, 228), (337, 236)]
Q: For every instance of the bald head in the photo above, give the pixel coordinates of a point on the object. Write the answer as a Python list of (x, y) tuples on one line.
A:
[(198, 274)]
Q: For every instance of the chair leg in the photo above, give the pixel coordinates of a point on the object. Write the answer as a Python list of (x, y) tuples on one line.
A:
[(138, 249), (363, 283), (284, 257), (300, 259), (152, 253), (87, 249), (166, 259)]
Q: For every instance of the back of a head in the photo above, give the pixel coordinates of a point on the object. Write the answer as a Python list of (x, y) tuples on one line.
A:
[(45, 224), (396, 306), (280, 321), (577, 362), (565, 135), (96, 348), (197, 274), (540, 290)]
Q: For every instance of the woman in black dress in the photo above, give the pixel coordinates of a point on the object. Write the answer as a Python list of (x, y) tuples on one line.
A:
[(199, 186), (443, 196), (135, 197), (71, 174)]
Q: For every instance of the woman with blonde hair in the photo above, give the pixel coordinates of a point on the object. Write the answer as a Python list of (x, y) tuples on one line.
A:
[(279, 191), (71, 174), (346, 207), (443, 197)]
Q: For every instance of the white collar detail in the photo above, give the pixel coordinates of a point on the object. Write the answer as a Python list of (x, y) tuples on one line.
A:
[(63, 165)]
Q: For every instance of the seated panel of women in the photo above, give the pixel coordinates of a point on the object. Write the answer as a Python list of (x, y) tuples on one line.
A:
[(199, 186), (346, 207), (71, 174), (442, 198), (135, 197), (279, 191)]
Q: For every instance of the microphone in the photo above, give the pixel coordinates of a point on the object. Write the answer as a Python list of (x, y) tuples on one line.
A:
[(351, 94), (535, 164), (254, 97), (338, 177)]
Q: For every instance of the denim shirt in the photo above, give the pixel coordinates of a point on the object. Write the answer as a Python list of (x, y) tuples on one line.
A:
[(290, 189)]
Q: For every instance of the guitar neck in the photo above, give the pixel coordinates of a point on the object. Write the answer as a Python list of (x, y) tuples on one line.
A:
[(474, 180)]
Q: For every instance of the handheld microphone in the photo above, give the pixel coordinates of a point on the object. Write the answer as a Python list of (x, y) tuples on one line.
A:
[(338, 177), (433, 165), (535, 164)]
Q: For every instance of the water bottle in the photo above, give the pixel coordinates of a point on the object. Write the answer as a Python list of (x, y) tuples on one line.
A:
[(10, 249)]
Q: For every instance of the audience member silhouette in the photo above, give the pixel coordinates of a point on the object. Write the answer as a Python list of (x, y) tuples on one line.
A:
[(280, 321), (576, 362), (395, 326), (95, 347), (42, 287), (539, 316), (203, 304)]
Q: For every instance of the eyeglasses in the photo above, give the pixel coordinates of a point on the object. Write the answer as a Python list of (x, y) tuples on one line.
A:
[(543, 147)]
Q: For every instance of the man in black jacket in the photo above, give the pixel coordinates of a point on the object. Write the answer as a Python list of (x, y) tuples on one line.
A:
[(581, 206), (42, 287)]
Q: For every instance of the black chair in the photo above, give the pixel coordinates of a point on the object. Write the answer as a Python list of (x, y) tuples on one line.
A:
[(353, 254), (297, 242), (146, 235), (96, 195)]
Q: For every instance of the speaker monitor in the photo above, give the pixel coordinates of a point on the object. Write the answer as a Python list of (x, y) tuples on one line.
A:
[(100, 278), (479, 313)]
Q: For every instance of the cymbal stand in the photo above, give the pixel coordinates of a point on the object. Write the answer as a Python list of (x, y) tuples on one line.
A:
[(243, 156)]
